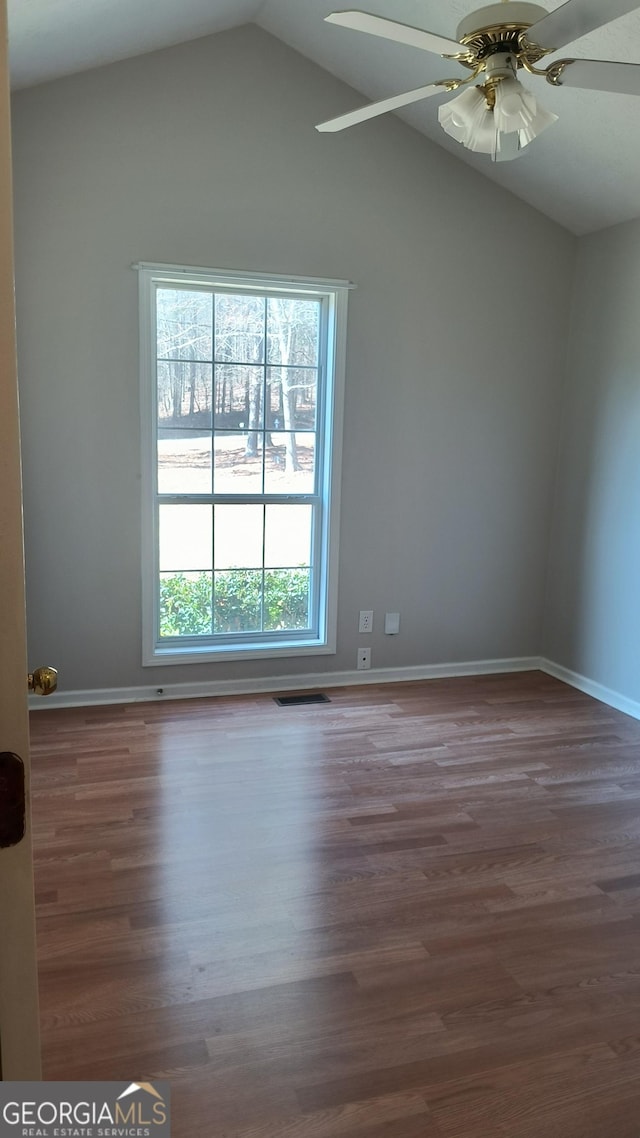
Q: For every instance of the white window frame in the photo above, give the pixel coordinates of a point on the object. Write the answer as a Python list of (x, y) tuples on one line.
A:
[(333, 294)]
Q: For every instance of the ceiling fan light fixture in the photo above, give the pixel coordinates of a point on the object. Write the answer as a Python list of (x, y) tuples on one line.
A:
[(483, 139), (499, 119), (469, 120), (461, 109), (514, 108), (539, 122), (517, 110), (466, 115)]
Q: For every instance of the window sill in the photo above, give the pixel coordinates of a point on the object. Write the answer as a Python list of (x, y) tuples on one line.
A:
[(207, 654)]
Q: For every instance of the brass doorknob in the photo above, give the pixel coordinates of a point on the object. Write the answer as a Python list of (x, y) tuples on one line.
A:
[(43, 681)]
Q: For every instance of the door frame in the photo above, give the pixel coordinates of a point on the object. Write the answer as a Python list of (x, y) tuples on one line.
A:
[(19, 1017)]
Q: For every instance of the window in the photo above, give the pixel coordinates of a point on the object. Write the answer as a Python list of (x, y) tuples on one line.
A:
[(242, 391)]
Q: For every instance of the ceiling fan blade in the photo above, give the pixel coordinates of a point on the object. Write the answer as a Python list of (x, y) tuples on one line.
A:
[(374, 109), (401, 33), (575, 19), (598, 75)]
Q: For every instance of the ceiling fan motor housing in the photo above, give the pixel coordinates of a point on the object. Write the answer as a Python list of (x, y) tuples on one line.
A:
[(497, 28), (501, 65)]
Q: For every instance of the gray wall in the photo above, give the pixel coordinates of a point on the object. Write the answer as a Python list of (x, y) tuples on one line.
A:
[(593, 613), (205, 154)]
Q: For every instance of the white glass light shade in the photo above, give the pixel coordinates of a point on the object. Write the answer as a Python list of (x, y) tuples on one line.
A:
[(541, 120), (517, 109), (483, 136), (514, 107), (470, 120), (456, 116)]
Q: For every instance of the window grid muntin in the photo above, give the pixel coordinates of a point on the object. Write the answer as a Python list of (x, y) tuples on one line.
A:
[(334, 294), (311, 568), (315, 499)]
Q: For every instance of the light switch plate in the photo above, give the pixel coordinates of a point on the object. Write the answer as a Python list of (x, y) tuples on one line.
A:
[(391, 623)]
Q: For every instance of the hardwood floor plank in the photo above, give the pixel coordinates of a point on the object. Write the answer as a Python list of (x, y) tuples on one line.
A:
[(412, 912)]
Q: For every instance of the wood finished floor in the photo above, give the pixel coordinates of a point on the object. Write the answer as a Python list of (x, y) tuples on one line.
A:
[(413, 912)]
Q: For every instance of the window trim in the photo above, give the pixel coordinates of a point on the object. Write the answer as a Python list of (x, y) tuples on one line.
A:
[(335, 294)]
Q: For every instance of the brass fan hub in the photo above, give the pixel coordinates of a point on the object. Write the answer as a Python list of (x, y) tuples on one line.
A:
[(499, 28)]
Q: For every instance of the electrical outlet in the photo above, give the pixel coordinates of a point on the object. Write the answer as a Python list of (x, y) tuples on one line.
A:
[(366, 620), (364, 659)]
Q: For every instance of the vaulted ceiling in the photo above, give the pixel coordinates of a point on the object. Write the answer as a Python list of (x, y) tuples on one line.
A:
[(584, 171)]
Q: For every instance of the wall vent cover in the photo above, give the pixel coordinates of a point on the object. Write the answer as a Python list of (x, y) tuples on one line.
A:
[(306, 697)]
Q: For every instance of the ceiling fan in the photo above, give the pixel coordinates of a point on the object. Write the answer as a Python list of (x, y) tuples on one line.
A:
[(499, 116)]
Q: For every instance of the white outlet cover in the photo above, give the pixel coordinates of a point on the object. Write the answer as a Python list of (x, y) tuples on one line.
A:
[(391, 623), (365, 623)]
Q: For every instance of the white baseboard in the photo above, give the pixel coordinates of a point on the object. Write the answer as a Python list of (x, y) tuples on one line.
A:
[(156, 692), (590, 687)]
